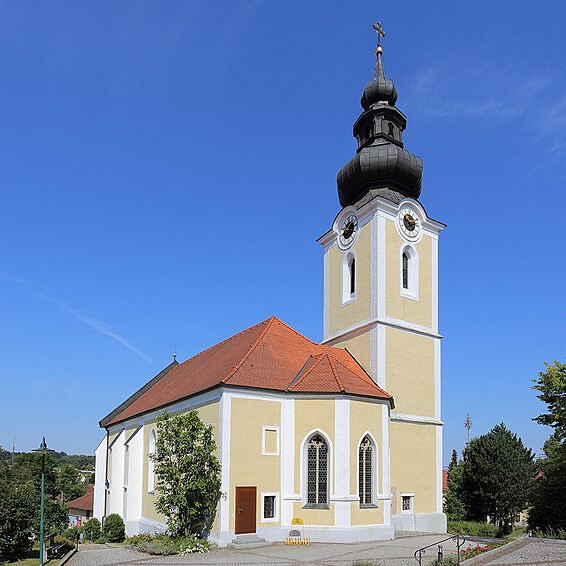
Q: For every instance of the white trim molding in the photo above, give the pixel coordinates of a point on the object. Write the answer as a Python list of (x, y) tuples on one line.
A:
[(275, 517)]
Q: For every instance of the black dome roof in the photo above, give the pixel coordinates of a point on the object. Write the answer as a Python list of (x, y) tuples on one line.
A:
[(381, 166)]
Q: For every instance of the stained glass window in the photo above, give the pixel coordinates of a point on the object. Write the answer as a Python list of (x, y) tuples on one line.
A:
[(365, 471), (317, 471)]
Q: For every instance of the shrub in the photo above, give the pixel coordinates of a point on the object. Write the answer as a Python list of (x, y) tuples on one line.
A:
[(138, 540), (72, 534), (550, 533), (191, 544), (472, 528), (92, 529), (113, 528)]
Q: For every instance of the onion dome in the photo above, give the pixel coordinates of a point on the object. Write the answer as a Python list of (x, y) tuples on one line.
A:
[(381, 166)]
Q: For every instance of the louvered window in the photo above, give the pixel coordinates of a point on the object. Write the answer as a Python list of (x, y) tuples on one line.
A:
[(365, 471), (317, 471)]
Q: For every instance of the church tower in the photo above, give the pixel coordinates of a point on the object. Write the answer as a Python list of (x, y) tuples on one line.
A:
[(381, 300)]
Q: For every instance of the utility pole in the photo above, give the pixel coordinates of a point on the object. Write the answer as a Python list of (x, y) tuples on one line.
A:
[(13, 447), (468, 425)]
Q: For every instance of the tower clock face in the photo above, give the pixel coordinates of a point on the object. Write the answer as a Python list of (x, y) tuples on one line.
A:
[(348, 231), (409, 223)]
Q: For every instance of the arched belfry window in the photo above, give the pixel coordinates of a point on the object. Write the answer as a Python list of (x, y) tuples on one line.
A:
[(409, 268), (349, 278), (150, 464), (366, 471), (317, 470), (352, 276)]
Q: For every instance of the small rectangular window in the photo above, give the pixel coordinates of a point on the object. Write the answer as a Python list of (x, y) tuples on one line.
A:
[(269, 507), (407, 503)]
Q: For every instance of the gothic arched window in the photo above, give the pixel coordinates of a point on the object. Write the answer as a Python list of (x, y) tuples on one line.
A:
[(150, 463), (317, 471), (366, 471)]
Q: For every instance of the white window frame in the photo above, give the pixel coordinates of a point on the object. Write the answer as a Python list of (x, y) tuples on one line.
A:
[(374, 479), (275, 518), (150, 463), (412, 498), (264, 429), (412, 292), (347, 296)]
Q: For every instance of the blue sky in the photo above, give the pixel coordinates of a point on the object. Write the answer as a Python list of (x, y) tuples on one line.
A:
[(165, 169)]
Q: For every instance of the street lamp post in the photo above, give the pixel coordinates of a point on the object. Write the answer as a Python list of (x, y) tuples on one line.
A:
[(43, 450)]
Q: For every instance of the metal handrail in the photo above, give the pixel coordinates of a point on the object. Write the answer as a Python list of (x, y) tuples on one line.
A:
[(458, 539)]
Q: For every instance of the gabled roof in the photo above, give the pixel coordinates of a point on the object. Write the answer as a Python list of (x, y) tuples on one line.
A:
[(86, 502), (269, 355)]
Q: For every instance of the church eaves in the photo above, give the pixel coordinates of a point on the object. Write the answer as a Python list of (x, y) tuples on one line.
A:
[(268, 356)]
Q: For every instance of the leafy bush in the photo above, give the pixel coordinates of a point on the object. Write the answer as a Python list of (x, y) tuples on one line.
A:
[(113, 528), (165, 545), (550, 533), (137, 540), (472, 528), (72, 534), (92, 529), (191, 544)]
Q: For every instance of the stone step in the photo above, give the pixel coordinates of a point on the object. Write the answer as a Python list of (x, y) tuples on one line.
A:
[(248, 541)]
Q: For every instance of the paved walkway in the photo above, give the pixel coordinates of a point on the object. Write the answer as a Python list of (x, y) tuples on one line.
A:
[(524, 552), (398, 552)]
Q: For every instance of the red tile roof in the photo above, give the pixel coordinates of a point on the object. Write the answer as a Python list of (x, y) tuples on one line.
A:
[(86, 502), (269, 355), (444, 480)]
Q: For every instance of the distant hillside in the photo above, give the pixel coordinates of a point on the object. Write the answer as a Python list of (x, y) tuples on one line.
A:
[(80, 461)]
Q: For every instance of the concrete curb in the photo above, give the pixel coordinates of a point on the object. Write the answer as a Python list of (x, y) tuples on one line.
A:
[(496, 552), (68, 556)]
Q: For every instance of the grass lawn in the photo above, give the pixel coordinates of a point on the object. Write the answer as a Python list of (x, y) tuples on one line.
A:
[(32, 559)]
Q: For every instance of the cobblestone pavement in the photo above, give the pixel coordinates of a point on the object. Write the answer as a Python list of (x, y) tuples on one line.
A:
[(398, 552), (525, 552)]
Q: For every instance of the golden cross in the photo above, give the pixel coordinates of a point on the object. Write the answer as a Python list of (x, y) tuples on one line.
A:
[(380, 33)]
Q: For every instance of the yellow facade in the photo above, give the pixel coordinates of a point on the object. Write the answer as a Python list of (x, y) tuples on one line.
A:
[(418, 442), (366, 417), (248, 466), (410, 371)]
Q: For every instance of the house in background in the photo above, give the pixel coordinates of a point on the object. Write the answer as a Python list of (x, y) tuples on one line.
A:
[(81, 508)]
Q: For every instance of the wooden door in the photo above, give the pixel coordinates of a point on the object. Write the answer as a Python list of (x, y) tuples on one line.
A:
[(245, 509)]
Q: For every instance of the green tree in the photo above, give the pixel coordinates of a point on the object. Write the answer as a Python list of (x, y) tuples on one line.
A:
[(69, 482), (16, 515), (454, 501), (497, 476), (188, 473), (548, 509), (552, 386)]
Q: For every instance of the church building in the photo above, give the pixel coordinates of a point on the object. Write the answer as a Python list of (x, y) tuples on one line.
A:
[(345, 435)]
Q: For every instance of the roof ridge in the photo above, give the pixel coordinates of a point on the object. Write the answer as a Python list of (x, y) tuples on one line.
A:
[(295, 331), (334, 372), (249, 352), (317, 359), (226, 340)]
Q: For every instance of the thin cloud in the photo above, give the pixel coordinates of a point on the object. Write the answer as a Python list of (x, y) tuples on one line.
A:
[(98, 325), (15, 278)]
